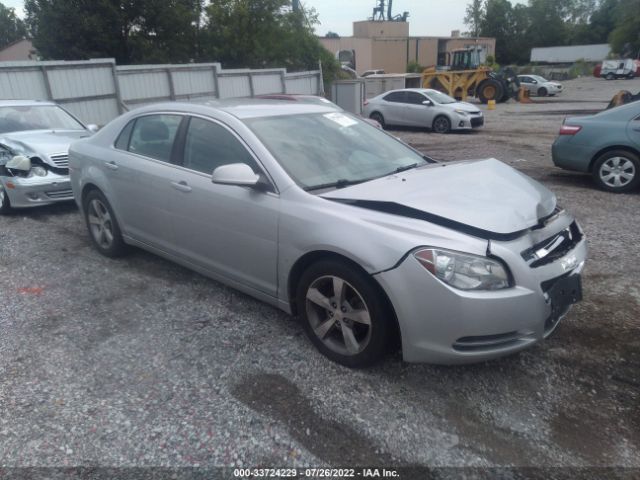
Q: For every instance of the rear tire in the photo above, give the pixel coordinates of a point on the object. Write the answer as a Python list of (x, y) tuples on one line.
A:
[(5, 204), (377, 116), (441, 124), (610, 76), (543, 92), (490, 89), (344, 314), (617, 171), (102, 225)]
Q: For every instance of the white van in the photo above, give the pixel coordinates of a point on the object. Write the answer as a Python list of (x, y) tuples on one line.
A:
[(613, 69)]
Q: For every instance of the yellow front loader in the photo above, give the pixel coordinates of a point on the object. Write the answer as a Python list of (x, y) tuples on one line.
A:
[(465, 77)]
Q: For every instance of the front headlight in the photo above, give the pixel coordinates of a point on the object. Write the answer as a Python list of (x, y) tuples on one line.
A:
[(38, 171), (462, 112), (463, 270)]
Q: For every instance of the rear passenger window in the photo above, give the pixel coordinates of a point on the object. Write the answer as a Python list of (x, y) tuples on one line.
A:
[(153, 136), (123, 139), (209, 145), (396, 97)]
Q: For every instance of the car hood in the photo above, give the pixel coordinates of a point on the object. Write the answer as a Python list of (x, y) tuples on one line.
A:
[(467, 107), (41, 143), (484, 198)]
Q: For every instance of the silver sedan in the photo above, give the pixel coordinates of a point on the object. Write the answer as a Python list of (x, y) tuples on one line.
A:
[(372, 244), (34, 151), (423, 107)]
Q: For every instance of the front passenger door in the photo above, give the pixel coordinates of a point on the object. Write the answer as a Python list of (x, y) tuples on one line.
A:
[(229, 230)]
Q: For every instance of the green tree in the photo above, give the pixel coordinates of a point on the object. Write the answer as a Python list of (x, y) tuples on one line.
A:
[(625, 38), (473, 17), (497, 23), (129, 30), (263, 34), (11, 27)]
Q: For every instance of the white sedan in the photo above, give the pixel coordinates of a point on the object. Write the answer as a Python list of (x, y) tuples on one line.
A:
[(422, 107), (540, 86)]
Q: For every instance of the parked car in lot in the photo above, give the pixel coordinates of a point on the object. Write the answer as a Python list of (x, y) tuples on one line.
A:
[(606, 145), (423, 107), (540, 86), (320, 214), (34, 145)]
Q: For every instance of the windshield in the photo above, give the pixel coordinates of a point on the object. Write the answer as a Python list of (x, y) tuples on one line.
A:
[(439, 97), (332, 149), (20, 118)]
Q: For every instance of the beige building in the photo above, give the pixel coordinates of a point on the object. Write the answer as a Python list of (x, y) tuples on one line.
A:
[(18, 50), (388, 46)]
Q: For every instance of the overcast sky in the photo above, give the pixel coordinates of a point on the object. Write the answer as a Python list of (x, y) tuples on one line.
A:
[(427, 17)]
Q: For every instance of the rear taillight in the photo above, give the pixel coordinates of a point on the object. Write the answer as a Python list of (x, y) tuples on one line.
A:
[(569, 129)]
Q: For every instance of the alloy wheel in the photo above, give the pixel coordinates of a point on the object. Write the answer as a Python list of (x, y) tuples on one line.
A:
[(2, 197), (617, 172), (338, 315), (441, 125), (100, 223)]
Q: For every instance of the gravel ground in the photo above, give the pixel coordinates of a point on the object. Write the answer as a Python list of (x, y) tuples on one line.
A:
[(139, 362)]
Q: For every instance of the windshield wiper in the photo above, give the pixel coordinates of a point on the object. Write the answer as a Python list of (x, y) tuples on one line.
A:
[(342, 183), (405, 168)]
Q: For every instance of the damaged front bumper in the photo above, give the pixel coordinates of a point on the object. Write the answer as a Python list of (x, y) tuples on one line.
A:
[(443, 325), (34, 191)]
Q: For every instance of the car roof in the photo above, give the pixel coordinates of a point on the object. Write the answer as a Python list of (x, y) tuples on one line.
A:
[(25, 103), (243, 108), (418, 90)]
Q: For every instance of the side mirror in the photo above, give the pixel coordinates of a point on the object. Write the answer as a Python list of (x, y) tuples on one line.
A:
[(93, 128), (19, 162), (428, 103), (239, 174), (534, 81)]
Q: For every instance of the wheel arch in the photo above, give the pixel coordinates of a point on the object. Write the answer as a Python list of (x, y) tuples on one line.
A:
[(310, 258), (628, 148)]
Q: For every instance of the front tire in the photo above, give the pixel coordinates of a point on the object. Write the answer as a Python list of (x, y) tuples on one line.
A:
[(610, 76), (344, 314), (543, 92), (102, 225), (441, 124), (377, 116), (617, 171), (5, 204), (490, 89)]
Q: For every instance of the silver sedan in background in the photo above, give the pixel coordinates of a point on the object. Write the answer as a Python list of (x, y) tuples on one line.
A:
[(34, 153), (540, 86), (371, 243), (423, 107)]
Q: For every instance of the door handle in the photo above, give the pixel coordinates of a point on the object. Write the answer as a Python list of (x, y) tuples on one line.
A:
[(111, 165), (181, 186)]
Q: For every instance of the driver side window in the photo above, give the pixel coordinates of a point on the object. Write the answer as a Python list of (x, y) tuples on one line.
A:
[(209, 145)]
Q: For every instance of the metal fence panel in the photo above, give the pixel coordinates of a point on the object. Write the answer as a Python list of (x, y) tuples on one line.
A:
[(302, 83), (98, 91), (20, 82), (234, 84)]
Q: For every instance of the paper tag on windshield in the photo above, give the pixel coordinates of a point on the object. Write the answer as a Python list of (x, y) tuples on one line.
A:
[(341, 119)]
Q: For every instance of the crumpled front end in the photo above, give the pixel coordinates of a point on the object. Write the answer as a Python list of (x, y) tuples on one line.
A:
[(46, 182)]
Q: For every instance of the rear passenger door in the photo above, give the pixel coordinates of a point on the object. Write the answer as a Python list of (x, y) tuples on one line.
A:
[(231, 231), (139, 176)]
